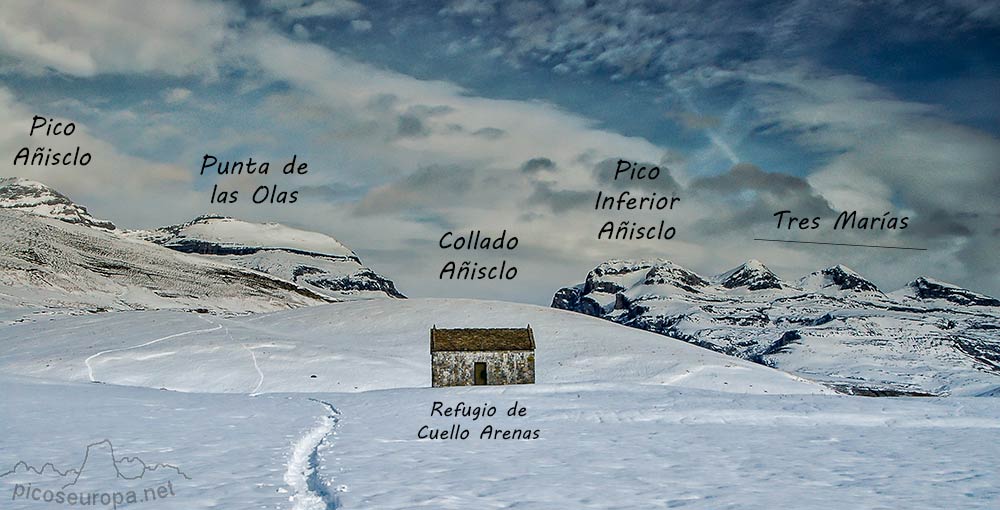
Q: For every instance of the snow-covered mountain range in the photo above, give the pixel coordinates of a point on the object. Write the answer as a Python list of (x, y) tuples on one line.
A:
[(55, 255), (832, 326), (311, 260)]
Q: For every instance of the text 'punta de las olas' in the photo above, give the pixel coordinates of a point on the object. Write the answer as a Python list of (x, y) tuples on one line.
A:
[(262, 194)]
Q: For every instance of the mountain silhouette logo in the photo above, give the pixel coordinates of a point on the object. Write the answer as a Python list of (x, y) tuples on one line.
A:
[(125, 467)]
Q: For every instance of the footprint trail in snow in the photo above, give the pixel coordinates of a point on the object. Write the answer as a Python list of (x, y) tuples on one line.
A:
[(309, 491)]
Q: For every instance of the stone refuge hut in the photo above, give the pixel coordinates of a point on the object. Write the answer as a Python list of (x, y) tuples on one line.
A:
[(480, 356)]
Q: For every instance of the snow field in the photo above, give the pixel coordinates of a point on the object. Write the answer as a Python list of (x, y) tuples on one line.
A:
[(606, 446), (235, 448), (627, 419), (632, 447), (358, 346)]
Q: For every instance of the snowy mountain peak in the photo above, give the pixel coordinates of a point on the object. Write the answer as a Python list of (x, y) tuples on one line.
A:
[(608, 275), (37, 198), (620, 266), (929, 288), (617, 275), (668, 273), (838, 277), (213, 234), (753, 275), (312, 260)]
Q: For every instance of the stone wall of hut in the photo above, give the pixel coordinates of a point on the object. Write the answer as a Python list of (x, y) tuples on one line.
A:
[(455, 368)]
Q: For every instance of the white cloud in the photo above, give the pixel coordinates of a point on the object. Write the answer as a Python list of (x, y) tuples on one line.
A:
[(895, 155), (177, 95), (361, 25), (390, 133), (300, 9), (116, 36), (124, 186), (532, 127), (448, 178), (896, 149), (363, 105)]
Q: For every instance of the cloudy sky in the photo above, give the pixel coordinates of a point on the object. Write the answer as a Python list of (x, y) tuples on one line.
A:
[(417, 118)]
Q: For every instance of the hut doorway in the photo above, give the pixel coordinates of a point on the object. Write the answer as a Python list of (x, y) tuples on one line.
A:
[(479, 373)]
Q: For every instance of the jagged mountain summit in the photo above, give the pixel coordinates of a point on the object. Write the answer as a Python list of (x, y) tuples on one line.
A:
[(925, 288), (55, 255), (35, 197), (835, 279), (833, 325), (752, 275)]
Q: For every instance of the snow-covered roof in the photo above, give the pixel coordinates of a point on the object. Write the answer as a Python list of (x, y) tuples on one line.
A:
[(482, 339)]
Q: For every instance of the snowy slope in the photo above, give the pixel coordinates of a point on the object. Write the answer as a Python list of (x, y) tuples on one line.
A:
[(356, 346), (217, 264), (51, 264), (600, 446), (832, 326), (311, 260), (633, 419), (320, 407)]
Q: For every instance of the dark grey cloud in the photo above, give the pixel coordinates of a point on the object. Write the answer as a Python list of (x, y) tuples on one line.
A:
[(604, 173), (411, 126), (746, 196), (424, 111), (559, 200), (942, 223), (490, 133), (332, 192), (428, 188), (383, 102), (434, 219), (535, 165), (413, 123), (745, 176)]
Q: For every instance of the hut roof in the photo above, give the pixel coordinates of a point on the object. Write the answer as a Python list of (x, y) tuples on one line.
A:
[(482, 339)]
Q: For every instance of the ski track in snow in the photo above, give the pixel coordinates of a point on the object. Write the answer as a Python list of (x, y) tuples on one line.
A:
[(256, 366), (260, 380), (217, 326), (309, 491), (90, 369)]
